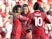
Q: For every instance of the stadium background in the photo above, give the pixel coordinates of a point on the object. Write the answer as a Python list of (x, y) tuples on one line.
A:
[(6, 8)]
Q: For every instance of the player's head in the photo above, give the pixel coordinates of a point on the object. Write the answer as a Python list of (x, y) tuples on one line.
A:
[(36, 6), (25, 8), (17, 9)]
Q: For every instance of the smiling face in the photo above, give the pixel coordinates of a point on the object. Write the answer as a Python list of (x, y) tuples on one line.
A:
[(18, 12), (25, 10)]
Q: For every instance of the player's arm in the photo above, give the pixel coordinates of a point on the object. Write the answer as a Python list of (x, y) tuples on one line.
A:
[(23, 17), (47, 19)]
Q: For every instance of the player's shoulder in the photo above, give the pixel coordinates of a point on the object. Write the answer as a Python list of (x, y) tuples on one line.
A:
[(43, 13), (40, 12), (36, 12)]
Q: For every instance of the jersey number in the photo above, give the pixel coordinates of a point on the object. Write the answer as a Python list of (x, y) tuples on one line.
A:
[(38, 21)]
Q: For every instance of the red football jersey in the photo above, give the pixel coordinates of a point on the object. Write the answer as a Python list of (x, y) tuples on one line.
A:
[(25, 23), (16, 28), (38, 18)]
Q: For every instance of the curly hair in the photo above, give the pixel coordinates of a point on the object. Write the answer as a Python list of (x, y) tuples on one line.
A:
[(16, 7)]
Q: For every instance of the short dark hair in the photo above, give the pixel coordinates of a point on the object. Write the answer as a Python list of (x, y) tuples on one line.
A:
[(16, 7), (25, 5), (36, 6)]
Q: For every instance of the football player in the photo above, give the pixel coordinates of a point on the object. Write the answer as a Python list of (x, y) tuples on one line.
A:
[(26, 31), (38, 17), (16, 31)]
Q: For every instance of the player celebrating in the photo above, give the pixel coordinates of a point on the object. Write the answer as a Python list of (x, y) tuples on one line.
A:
[(25, 24), (38, 17), (17, 26), (16, 32)]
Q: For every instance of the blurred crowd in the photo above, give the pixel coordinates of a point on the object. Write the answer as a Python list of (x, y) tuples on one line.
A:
[(6, 21)]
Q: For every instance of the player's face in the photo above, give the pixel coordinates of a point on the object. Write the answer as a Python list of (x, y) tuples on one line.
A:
[(18, 10), (25, 10)]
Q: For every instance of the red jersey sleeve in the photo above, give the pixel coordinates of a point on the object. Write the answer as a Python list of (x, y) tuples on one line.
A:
[(47, 19), (29, 16), (17, 28), (23, 17)]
